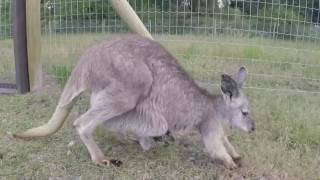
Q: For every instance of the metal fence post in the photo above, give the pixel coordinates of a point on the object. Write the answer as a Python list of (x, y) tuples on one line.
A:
[(20, 46)]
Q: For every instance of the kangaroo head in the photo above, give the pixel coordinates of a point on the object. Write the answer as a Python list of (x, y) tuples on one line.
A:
[(237, 105)]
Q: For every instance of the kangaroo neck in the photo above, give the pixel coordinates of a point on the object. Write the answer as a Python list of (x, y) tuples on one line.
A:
[(220, 108)]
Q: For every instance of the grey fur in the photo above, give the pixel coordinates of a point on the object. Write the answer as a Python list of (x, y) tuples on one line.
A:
[(139, 88)]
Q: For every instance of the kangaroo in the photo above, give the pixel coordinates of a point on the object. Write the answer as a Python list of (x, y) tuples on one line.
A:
[(137, 87)]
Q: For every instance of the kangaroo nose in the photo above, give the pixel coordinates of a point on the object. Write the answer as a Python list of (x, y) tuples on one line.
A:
[(253, 127)]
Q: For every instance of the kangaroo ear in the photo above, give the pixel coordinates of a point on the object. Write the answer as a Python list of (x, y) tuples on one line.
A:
[(229, 86), (241, 77)]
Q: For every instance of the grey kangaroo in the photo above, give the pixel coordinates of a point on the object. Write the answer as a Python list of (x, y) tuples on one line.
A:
[(137, 87)]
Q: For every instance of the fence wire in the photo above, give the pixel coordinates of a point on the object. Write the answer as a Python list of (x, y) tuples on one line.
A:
[(277, 40), (277, 19), (7, 70)]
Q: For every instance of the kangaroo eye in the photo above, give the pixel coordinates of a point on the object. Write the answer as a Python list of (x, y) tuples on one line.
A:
[(245, 113)]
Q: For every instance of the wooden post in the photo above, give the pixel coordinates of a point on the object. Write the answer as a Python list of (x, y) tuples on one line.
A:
[(127, 14), (34, 43), (20, 46)]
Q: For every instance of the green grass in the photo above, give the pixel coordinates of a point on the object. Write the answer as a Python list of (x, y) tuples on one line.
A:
[(61, 73), (286, 144), (253, 53)]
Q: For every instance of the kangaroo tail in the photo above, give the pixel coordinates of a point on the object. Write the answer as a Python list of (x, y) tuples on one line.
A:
[(68, 98)]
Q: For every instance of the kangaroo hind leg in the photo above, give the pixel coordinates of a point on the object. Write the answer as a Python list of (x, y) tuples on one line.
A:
[(105, 105)]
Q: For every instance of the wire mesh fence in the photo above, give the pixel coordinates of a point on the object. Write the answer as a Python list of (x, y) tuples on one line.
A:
[(277, 40), (277, 19), (7, 72)]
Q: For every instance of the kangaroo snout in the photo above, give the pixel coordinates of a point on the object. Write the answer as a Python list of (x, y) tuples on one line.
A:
[(252, 127)]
